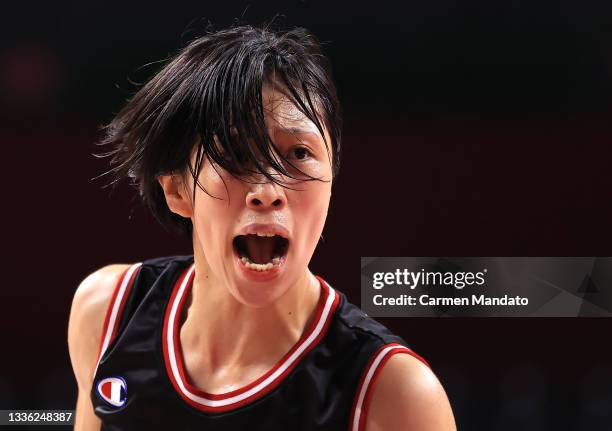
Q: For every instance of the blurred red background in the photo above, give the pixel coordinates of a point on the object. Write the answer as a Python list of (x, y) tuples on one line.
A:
[(475, 130)]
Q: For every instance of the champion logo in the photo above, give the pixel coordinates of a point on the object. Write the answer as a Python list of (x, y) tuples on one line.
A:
[(113, 390)]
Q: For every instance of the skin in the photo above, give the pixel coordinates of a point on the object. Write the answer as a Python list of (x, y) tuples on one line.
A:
[(230, 350), (267, 317), (84, 332), (408, 396)]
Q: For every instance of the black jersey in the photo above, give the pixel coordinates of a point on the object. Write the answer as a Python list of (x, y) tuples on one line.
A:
[(322, 383)]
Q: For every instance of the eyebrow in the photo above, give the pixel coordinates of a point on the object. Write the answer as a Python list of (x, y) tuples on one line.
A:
[(288, 130), (298, 131), (293, 129)]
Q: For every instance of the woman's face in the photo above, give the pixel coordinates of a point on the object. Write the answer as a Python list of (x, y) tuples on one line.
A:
[(258, 237)]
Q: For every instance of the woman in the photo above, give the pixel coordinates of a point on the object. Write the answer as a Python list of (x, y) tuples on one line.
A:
[(236, 142)]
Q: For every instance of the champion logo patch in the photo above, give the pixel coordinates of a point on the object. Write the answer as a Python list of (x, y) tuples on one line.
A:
[(113, 390)]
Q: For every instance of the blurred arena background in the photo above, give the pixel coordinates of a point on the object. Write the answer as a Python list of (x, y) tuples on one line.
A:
[(472, 128)]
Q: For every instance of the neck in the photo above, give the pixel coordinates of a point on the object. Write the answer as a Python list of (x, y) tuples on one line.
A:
[(226, 333)]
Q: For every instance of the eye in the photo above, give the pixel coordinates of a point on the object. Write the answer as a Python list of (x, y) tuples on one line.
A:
[(300, 153)]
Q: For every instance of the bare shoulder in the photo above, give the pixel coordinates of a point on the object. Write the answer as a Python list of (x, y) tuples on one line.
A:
[(87, 315), (96, 289), (407, 395)]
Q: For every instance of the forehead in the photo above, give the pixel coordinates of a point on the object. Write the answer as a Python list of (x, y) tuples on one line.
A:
[(283, 117)]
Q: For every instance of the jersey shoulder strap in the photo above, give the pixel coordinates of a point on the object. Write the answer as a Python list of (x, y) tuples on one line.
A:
[(357, 320), (383, 344), (115, 308), (137, 281)]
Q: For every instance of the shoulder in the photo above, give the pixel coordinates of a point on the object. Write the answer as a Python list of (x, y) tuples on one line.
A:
[(397, 390), (407, 395), (96, 289), (94, 294), (87, 315)]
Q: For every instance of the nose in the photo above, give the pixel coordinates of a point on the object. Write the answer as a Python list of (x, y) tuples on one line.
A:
[(265, 195)]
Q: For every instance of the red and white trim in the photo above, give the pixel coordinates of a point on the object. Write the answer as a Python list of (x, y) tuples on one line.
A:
[(368, 380), (115, 309), (230, 400)]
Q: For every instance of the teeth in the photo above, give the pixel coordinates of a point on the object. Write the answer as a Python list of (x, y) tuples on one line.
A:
[(260, 266), (264, 234)]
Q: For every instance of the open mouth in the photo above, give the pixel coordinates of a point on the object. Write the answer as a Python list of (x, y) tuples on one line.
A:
[(261, 252)]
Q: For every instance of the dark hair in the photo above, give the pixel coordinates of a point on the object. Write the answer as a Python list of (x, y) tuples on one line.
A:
[(212, 91)]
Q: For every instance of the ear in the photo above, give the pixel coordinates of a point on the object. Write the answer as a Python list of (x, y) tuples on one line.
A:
[(177, 196)]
